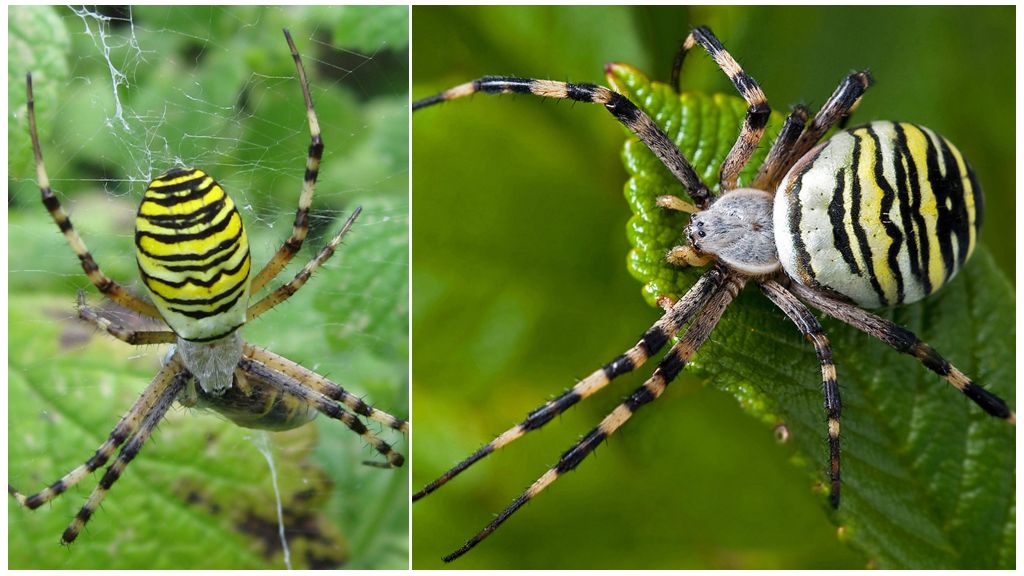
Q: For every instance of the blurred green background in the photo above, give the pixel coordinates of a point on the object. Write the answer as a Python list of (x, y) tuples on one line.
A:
[(521, 286), (213, 87)]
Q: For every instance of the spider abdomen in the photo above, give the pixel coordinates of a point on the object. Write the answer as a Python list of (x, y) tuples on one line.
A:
[(193, 255), (884, 214)]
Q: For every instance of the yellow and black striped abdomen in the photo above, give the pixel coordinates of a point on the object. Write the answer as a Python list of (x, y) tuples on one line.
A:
[(885, 214), (193, 254)]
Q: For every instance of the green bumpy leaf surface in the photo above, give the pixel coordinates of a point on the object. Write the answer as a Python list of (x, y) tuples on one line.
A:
[(928, 478)]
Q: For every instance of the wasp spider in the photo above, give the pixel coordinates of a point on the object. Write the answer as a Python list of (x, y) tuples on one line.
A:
[(875, 216), (193, 256)]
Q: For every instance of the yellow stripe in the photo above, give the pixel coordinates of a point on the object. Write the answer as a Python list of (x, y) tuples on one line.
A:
[(149, 208), (161, 182)]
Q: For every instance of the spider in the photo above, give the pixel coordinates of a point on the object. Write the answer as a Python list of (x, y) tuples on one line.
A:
[(875, 216), (193, 256)]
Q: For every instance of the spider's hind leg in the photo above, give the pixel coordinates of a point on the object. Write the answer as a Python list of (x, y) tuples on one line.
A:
[(905, 341), (124, 429), (812, 330)]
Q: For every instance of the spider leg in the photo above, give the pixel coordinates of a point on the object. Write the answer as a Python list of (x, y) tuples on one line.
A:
[(133, 337), (325, 406), (121, 432), (812, 330), (686, 255), (323, 386), (839, 105), (286, 291), (768, 175), (105, 285), (905, 341), (758, 110), (316, 149), (632, 117), (667, 370), (650, 343)]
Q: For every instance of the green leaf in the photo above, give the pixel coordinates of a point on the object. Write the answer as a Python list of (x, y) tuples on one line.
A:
[(372, 28), (928, 478), (38, 42)]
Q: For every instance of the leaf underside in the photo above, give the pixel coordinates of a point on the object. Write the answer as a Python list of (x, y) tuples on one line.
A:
[(928, 478)]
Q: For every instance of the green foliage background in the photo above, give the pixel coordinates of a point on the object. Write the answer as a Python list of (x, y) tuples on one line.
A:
[(212, 87), (520, 288)]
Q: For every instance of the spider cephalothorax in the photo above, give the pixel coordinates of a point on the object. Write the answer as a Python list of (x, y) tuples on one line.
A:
[(878, 215)]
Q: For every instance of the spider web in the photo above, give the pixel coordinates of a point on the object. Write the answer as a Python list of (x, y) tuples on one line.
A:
[(149, 90)]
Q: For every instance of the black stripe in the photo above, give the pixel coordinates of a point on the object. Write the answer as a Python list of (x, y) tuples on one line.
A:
[(892, 229), (581, 92), (226, 244), (931, 359), (179, 221), (757, 116), (572, 458), (858, 227), (236, 291), (903, 161), (541, 416), (988, 401), (803, 257), (923, 263), (502, 84), (235, 246), (952, 219), (671, 365), (653, 340), (836, 215), (196, 281), (618, 367), (170, 190), (637, 399)]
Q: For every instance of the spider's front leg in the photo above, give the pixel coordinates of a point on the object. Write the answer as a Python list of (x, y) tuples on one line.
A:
[(652, 341), (632, 117), (104, 284)]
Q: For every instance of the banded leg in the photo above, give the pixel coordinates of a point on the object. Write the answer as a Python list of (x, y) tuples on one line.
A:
[(811, 329), (286, 291), (325, 406), (121, 432), (633, 118), (667, 370), (907, 342), (650, 343), (166, 397), (838, 106), (769, 174), (758, 110), (105, 285), (316, 150), (133, 337), (323, 386)]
